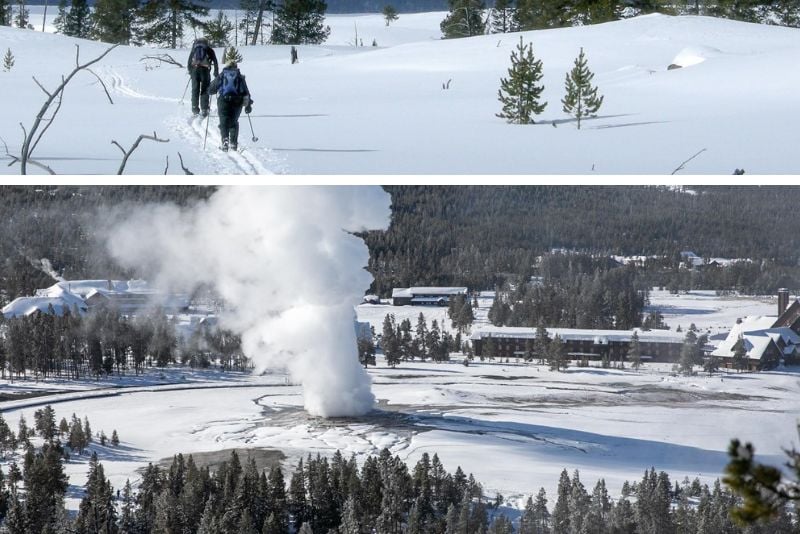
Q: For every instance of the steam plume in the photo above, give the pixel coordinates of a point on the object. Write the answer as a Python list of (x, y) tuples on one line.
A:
[(288, 269)]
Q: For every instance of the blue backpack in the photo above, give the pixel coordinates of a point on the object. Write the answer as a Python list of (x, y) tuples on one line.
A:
[(231, 84), (200, 56)]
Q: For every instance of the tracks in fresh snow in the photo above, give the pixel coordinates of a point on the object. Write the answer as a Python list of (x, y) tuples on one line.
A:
[(193, 130)]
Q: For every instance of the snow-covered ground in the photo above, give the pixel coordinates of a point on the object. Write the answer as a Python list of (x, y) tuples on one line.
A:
[(515, 426), (383, 110)]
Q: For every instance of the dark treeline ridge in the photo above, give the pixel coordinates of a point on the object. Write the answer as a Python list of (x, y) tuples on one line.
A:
[(106, 342), (336, 496), (64, 225), (478, 235)]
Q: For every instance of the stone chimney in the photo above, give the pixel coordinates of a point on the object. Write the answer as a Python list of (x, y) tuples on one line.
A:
[(783, 300)]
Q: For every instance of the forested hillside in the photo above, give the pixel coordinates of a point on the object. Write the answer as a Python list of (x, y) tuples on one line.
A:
[(62, 224), (477, 236), (474, 235)]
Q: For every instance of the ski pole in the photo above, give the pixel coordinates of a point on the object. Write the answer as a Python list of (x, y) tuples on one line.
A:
[(251, 128), (205, 137), (186, 89)]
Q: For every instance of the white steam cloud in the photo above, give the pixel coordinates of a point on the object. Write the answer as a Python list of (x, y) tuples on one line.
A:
[(288, 268)]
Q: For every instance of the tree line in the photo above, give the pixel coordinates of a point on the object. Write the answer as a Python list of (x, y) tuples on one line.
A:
[(472, 17), (160, 23), (479, 236), (337, 496), (104, 342), (403, 341)]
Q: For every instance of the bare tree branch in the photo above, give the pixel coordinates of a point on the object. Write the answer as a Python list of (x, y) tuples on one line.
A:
[(680, 167), (185, 170), (27, 146), (127, 153), (99, 79), (41, 86), (49, 122), (165, 58)]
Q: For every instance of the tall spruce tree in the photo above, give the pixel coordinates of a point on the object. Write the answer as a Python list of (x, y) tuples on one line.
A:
[(114, 20), (581, 99), (162, 22), (78, 21), (503, 17), (300, 22), (6, 13), (465, 19), (520, 92), (218, 31), (21, 18)]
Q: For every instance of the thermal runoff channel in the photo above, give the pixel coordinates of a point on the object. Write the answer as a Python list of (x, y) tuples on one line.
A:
[(288, 268)]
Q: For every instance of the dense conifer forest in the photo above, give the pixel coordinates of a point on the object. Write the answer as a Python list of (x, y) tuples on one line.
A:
[(332, 495), (477, 236)]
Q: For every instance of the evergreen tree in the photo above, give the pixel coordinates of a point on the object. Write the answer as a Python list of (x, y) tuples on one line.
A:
[(536, 15), (114, 438), (232, 54), (114, 20), (740, 359), (557, 354), (21, 19), (520, 92), (635, 352), (218, 32), (97, 514), (6, 13), (561, 513), (162, 23), (581, 99), (389, 13), (79, 21), (464, 19), (503, 17), (300, 22), (8, 62)]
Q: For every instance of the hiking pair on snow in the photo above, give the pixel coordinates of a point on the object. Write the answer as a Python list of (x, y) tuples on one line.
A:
[(232, 95), (201, 58)]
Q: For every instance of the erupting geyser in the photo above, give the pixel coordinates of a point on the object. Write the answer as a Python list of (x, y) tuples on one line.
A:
[(288, 268)]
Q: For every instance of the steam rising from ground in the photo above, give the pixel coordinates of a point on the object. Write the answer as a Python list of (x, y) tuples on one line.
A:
[(288, 269)]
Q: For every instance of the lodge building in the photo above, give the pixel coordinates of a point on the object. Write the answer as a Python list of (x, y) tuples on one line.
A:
[(583, 344)]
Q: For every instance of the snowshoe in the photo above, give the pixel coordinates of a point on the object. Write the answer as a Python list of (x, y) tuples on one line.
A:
[(224, 147)]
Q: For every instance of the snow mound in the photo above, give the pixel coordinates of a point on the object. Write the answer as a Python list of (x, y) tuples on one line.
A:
[(693, 55)]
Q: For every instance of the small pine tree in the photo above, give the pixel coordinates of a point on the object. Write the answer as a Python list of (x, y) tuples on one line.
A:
[(232, 54), (389, 13), (114, 438), (581, 99), (8, 61), (520, 92)]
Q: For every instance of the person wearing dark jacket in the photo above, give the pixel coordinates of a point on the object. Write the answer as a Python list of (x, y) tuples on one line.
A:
[(232, 95), (201, 59)]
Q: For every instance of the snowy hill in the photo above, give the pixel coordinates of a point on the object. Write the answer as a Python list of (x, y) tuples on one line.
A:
[(383, 110)]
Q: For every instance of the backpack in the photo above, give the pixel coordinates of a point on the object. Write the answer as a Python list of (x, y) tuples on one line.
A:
[(231, 84), (200, 56)]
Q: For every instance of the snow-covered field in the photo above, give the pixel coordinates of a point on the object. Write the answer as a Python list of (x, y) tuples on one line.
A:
[(514, 426), (383, 110)]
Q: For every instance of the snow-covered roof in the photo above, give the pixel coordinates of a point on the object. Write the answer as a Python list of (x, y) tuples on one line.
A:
[(69, 294), (600, 337), (757, 336), (413, 291)]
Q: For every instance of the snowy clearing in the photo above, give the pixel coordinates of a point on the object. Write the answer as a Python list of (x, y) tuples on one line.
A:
[(383, 110), (514, 426)]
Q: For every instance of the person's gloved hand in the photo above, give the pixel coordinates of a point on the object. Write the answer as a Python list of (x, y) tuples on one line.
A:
[(248, 109)]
